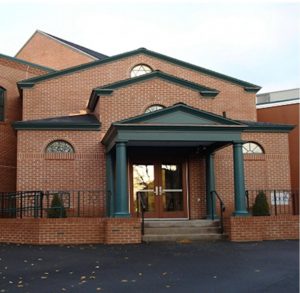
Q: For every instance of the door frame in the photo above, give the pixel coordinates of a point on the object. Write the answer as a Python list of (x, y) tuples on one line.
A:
[(156, 161)]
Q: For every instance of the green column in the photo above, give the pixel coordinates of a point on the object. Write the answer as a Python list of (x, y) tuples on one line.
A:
[(210, 186), (109, 185), (239, 180), (121, 199)]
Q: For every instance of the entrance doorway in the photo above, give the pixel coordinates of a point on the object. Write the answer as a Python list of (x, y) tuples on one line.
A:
[(163, 188)]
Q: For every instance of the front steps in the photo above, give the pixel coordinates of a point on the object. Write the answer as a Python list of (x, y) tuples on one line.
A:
[(181, 230)]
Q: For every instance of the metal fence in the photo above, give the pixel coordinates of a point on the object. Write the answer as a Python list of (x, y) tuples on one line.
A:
[(52, 204), (280, 201)]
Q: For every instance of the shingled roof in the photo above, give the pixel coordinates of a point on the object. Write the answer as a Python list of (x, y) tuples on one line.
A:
[(90, 52)]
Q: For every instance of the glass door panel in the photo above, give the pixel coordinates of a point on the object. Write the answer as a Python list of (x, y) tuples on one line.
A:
[(143, 185), (171, 190)]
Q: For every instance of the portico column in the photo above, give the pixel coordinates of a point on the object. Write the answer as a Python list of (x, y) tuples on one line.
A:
[(239, 180), (109, 185), (210, 186), (121, 199)]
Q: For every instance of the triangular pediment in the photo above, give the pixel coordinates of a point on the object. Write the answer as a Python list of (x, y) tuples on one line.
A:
[(180, 114)]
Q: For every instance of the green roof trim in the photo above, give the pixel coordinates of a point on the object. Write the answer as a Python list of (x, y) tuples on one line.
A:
[(258, 126), (108, 89), (148, 53), (51, 70), (79, 122)]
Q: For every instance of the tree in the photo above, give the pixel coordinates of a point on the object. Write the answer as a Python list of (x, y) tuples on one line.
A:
[(57, 209), (261, 206)]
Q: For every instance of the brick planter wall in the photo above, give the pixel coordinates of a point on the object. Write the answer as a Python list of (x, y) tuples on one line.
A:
[(126, 230), (70, 231), (262, 228)]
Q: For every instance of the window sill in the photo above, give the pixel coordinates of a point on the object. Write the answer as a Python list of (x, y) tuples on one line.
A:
[(59, 156)]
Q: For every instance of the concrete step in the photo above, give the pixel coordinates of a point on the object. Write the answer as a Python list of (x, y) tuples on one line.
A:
[(181, 237), (181, 230), (181, 223)]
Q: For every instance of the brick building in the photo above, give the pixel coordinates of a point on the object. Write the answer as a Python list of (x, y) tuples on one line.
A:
[(138, 126)]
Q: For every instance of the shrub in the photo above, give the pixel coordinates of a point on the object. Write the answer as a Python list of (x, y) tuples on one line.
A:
[(57, 209), (261, 206)]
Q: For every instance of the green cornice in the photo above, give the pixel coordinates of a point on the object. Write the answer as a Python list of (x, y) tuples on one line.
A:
[(59, 126), (108, 89), (14, 59), (247, 86), (273, 128)]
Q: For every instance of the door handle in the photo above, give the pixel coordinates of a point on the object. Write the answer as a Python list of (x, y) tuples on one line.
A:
[(156, 190), (160, 190)]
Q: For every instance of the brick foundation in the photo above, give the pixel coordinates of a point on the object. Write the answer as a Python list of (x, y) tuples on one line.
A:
[(70, 231), (262, 228)]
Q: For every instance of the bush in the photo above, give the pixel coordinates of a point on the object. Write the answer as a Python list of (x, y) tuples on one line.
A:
[(57, 209), (261, 206)]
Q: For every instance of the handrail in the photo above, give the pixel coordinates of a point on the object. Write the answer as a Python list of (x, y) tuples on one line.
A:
[(222, 208), (142, 205)]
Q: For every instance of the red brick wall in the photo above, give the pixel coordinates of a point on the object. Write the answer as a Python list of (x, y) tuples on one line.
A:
[(70, 93), (262, 228), (70, 231), (46, 51), (266, 171), (10, 73), (288, 114), (197, 187), (123, 230)]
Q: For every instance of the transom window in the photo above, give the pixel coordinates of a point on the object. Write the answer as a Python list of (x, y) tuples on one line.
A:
[(140, 69), (153, 108), (2, 102), (59, 146), (252, 148)]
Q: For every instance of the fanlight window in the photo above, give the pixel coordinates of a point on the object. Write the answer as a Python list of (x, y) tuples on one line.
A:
[(140, 70), (153, 108), (252, 148), (59, 146)]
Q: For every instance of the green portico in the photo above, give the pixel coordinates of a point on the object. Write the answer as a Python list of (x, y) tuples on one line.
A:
[(174, 128)]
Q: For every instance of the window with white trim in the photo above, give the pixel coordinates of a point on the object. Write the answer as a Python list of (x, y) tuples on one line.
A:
[(252, 148), (140, 69)]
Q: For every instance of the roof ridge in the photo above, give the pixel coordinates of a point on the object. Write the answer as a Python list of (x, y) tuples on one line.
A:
[(83, 49)]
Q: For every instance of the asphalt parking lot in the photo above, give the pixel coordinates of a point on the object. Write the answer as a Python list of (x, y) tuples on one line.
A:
[(270, 266)]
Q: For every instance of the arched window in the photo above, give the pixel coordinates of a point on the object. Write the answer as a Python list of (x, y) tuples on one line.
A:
[(154, 108), (59, 146), (252, 148), (140, 69)]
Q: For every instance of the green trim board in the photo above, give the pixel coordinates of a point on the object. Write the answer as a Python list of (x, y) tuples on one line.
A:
[(78, 122), (247, 86), (257, 126), (108, 89), (50, 70)]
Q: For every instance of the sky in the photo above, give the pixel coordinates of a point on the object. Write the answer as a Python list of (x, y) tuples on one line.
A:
[(257, 41)]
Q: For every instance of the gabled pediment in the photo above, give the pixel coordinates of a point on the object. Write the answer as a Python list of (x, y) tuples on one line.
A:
[(180, 114), (110, 88)]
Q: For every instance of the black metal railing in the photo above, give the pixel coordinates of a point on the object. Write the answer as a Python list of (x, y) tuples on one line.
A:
[(52, 204), (141, 208), (280, 201), (222, 208)]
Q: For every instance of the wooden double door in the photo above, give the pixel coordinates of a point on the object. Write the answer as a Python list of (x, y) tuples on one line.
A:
[(162, 186)]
